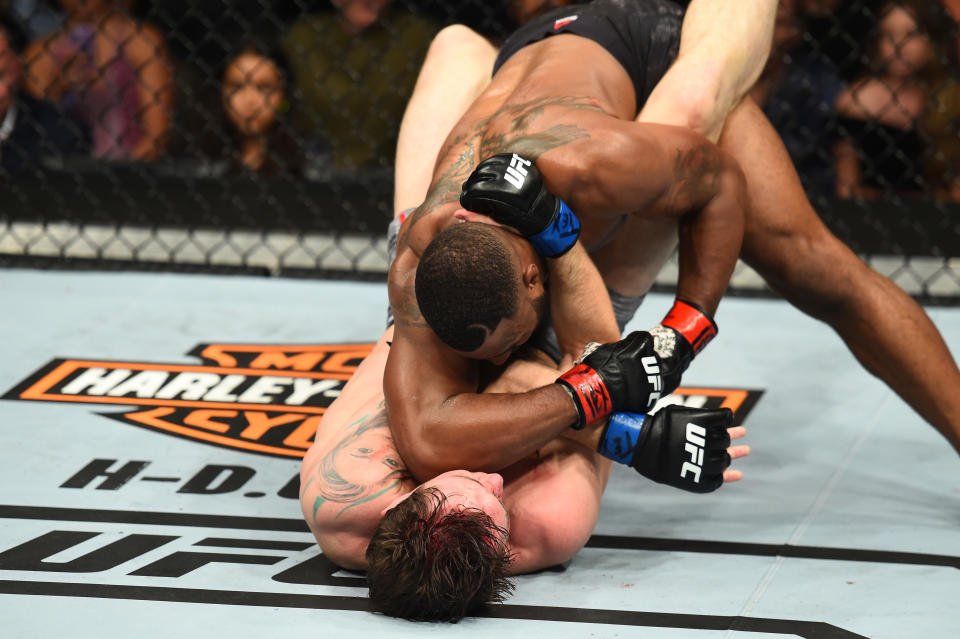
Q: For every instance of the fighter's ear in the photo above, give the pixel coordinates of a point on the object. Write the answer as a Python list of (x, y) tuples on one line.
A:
[(532, 275)]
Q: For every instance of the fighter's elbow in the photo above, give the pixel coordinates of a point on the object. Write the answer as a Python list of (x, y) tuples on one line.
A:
[(425, 457), (434, 455), (346, 551), (425, 467), (543, 546)]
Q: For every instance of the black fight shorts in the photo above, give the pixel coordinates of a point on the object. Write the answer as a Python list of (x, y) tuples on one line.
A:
[(643, 35)]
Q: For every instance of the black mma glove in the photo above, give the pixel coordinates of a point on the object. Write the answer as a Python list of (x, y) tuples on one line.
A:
[(632, 374), (682, 334), (621, 376), (681, 447), (509, 189)]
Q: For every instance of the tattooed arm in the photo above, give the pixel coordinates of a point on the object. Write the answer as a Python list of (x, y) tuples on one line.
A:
[(352, 470), (707, 190), (347, 482)]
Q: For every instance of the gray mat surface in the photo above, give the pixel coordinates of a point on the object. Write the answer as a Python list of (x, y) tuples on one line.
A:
[(846, 525)]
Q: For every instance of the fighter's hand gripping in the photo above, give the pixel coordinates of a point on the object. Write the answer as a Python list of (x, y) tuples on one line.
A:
[(682, 447), (508, 188), (682, 334), (621, 376)]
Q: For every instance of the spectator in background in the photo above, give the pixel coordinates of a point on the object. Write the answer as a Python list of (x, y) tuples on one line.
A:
[(953, 11), (837, 30), (941, 118), (37, 18), (254, 94), (797, 91), (113, 71), (30, 129), (881, 148), (355, 68)]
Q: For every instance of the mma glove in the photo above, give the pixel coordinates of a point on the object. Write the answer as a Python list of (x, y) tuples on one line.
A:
[(682, 447), (620, 376), (632, 374), (509, 189), (679, 337)]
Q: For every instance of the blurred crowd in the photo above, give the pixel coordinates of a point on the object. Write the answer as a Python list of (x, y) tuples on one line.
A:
[(865, 93)]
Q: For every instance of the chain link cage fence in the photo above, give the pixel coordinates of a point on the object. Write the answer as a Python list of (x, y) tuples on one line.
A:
[(255, 136)]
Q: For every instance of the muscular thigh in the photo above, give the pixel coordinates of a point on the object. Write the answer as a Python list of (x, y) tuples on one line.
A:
[(785, 241), (631, 260)]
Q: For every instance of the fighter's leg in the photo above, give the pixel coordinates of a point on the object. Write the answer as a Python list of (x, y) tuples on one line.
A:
[(723, 48), (789, 246), (457, 68), (455, 71), (629, 264)]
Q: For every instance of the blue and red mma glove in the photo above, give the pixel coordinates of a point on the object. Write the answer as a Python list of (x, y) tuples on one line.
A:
[(678, 446), (508, 188)]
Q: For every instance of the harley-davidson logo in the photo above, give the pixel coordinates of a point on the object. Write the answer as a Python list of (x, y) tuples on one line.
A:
[(261, 398), (266, 399)]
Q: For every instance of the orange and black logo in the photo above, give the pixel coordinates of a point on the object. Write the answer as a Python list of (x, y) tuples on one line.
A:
[(266, 399)]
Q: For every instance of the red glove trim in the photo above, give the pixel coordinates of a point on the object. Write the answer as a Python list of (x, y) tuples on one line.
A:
[(589, 392), (697, 327)]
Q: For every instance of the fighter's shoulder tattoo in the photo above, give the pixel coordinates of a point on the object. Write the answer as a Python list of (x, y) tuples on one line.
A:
[(483, 139), (406, 312), (365, 443), (524, 114), (522, 135)]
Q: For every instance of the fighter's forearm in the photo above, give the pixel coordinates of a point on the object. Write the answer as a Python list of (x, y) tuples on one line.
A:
[(710, 239), (580, 307), (478, 432)]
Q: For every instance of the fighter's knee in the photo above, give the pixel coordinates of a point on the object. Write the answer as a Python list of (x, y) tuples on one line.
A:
[(457, 38), (703, 107)]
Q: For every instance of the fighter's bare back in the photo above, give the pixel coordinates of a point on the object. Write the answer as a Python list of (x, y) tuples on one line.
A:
[(533, 105)]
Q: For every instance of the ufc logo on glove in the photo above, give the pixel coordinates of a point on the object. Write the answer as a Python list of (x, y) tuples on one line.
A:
[(516, 172), (694, 446), (652, 369)]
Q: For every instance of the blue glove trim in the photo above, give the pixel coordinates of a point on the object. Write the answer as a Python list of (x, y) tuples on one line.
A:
[(620, 438), (560, 234)]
